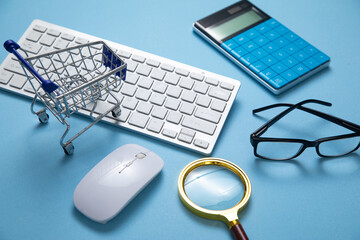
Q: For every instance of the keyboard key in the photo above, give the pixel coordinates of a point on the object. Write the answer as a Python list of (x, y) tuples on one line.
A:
[(203, 100), (212, 81), (172, 78), (143, 94), (174, 117), (289, 75), (61, 44), (270, 47), (145, 82), (201, 143), (144, 70), (218, 105), (138, 119), (229, 45), (174, 91), (311, 50), (252, 33), (267, 74), (239, 40), (262, 28), (280, 54), (18, 81), (144, 108), (300, 69), (129, 103), (31, 47), (172, 103), (199, 125), (311, 63), (128, 89), (248, 59), (272, 35), (269, 60), (153, 63), (155, 125), (67, 36), (81, 40), (259, 53), (138, 58), (5, 77), (258, 66), (187, 108), (219, 93), (301, 43), (186, 83), (131, 78), (201, 88), (167, 67), (278, 82), (290, 62), (34, 36), (53, 32), (207, 115), (188, 96), (281, 42), (197, 76), (159, 112), (39, 28), (182, 72), (300, 56), (47, 40), (291, 49), (131, 65), (281, 29), (279, 67), (250, 46), (185, 138), (321, 57), (157, 99), (291, 36), (157, 74), (227, 86), (261, 40), (169, 133), (159, 87), (123, 53), (272, 23)]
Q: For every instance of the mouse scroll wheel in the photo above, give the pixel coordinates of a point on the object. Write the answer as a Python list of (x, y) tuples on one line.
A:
[(140, 155)]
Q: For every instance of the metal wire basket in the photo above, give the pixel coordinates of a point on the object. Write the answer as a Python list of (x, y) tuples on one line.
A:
[(71, 79)]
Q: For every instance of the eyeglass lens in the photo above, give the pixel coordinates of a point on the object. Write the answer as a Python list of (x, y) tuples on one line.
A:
[(278, 150), (339, 147)]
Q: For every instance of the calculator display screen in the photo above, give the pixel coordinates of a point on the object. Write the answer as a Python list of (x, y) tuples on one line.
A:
[(233, 25)]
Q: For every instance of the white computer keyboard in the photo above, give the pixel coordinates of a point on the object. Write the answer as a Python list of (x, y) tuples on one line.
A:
[(165, 99)]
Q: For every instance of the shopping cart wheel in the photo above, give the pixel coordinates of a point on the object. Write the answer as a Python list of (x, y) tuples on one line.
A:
[(43, 117), (116, 112), (69, 149)]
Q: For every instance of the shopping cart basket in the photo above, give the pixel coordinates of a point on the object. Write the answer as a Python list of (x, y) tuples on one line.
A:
[(72, 79)]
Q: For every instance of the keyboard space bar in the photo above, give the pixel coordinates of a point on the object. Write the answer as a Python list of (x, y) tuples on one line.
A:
[(199, 125)]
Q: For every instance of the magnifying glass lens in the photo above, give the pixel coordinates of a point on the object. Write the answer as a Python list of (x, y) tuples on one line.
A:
[(214, 187)]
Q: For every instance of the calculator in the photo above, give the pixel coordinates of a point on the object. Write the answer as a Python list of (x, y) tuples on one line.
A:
[(263, 47)]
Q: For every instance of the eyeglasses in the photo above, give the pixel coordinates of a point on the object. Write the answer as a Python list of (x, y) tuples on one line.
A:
[(288, 148)]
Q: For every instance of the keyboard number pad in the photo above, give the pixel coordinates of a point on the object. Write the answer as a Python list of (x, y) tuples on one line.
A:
[(275, 53)]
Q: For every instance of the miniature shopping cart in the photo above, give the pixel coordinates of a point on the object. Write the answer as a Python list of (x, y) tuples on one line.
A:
[(72, 79)]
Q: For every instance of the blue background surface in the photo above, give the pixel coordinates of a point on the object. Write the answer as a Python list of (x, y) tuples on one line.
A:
[(307, 198)]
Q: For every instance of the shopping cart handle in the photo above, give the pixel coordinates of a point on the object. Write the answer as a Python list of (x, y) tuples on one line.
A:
[(11, 46)]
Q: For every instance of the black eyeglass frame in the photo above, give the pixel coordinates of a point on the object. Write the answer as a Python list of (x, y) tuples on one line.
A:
[(255, 138)]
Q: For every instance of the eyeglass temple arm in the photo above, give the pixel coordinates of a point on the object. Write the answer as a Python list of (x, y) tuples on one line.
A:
[(339, 121)]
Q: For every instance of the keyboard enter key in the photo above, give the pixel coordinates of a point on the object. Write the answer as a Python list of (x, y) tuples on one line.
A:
[(207, 114)]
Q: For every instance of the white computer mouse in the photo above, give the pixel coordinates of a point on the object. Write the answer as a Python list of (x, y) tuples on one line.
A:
[(115, 181)]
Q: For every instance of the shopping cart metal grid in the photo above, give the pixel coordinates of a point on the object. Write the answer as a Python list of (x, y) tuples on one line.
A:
[(72, 79)]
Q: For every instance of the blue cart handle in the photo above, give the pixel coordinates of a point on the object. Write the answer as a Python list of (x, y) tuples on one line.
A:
[(11, 46)]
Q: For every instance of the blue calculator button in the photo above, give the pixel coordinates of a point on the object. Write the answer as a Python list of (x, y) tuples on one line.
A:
[(278, 82), (262, 28), (252, 33), (282, 29), (311, 50), (250, 46), (258, 66), (311, 63), (301, 56), (272, 35), (269, 60), (229, 45), (281, 41), (291, 49), (272, 23), (270, 47), (289, 75), (321, 57), (290, 61), (300, 69), (267, 74), (260, 53), (248, 59), (291, 36), (279, 67), (238, 52), (301, 43), (280, 54), (261, 40), (240, 39)]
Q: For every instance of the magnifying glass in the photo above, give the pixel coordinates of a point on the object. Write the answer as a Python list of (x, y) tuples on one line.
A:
[(216, 189)]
